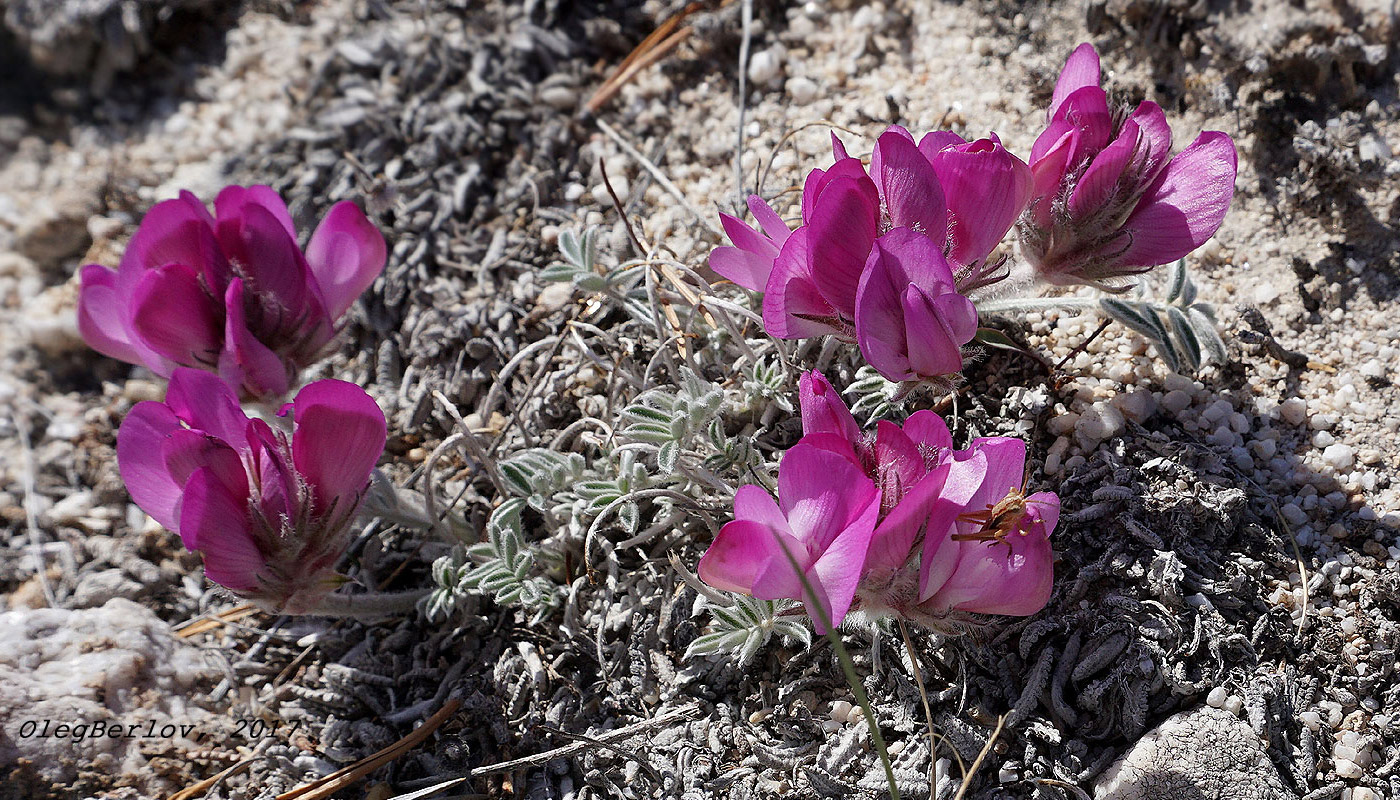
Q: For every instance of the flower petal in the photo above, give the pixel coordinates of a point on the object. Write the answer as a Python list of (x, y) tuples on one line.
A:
[(141, 461), (823, 410), (820, 494), (269, 260), (967, 471), (749, 263), (215, 519), (1185, 205), (174, 316), (773, 226), (742, 551), (1155, 138), (903, 525), (1081, 69), (345, 254), (928, 431), (935, 142), (995, 578), (178, 231), (792, 306), (245, 361), (207, 404), (986, 188), (935, 330), (338, 436), (103, 323), (845, 221), (1104, 179), (185, 451), (909, 187), (232, 200), (838, 569)]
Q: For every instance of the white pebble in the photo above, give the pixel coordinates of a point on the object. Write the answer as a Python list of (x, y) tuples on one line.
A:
[(1311, 719), (1217, 696), (802, 90), (1137, 405), (1340, 456), (1349, 770), (1294, 410), (1101, 421), (766, 66), (1234, 704), (840, 710)]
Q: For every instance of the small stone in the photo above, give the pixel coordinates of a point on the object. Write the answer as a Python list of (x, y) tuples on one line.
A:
[(802, 90), (1062, 424), (1294, 410), (1363, 793), (1311, 719), (1101, 421), (1234, 704), (1176, 401), (840, 710), (1137, 404), (766, 66), (1349, 770), (1216, 698), (1339, 456)]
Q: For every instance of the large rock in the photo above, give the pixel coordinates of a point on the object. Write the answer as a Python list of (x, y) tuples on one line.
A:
[(1205, 754), (83, 692)]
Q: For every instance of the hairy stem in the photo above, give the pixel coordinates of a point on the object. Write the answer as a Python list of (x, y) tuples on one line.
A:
[(370, 605), (1035, 304)]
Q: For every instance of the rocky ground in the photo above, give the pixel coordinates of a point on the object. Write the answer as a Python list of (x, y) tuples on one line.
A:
[(1227, 608)]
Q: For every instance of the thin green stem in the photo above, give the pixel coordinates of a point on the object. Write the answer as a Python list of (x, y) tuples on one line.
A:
[(370, 605), (848, 667)]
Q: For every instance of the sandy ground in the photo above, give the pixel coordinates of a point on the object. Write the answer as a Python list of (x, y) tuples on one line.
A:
[(460, 131)]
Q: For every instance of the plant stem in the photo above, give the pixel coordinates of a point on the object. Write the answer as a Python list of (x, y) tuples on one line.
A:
[(370, 605), (1035, 304)]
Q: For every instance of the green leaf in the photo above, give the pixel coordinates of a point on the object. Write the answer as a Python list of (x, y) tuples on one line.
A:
[(1178, 280), (1190, 345), (1209, 336), (991, 337)]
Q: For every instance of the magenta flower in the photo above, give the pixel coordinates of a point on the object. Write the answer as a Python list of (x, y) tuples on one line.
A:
[(987, 546), (823, 520), (231, 292), (911, 322), (963, 195), (270, 513), (1108, 199), (905, 463)]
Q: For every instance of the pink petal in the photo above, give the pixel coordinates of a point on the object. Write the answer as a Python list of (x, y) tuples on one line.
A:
[(185, 451), (838, 569), (792, 305), (898, 462), (102, 321), (207, 404), (820, 494), (928, 431), (345, 254), (749, 263), (216, 520), (178, 231), (245, 361), (986, 188), (935, 142), (933, 347), (823, 410), (140, 458), (269, 260), (1155, 137), (755, 504), (278, 498), (844, 224), (967, 470), (1081, 69), (902, 261), (818, 179), (909, 187), (999, 579), (1185, 205), (1048, 169), (773, 226), (877, 155), (838, 150), (338, 437), (1104, 179), (902, 526), (742, 550), (232, 200), (174, 316)]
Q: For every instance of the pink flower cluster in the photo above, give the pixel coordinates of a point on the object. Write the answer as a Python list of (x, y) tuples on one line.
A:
[(233, 295), (894, 520), (230, 292), (886, 255), (269, 512)]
